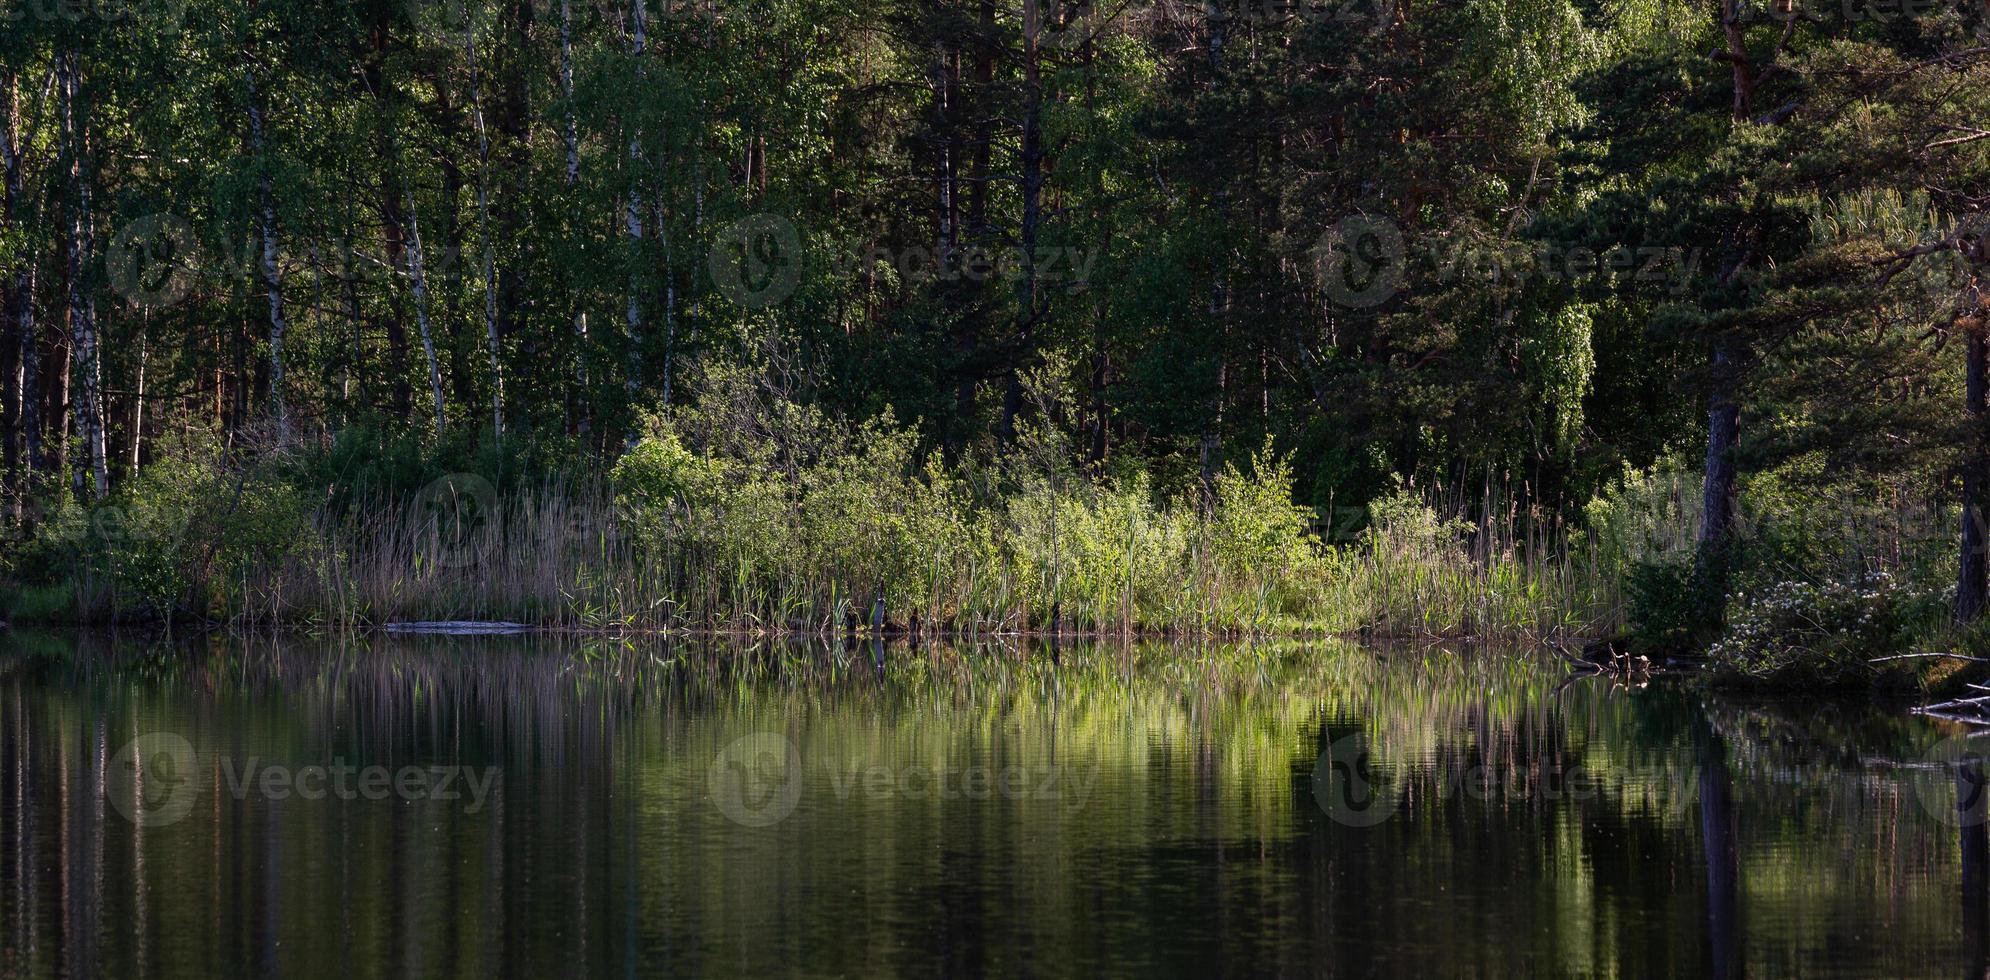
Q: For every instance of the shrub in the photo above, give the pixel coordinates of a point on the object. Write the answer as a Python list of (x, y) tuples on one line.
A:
[(1668, 603), (1804, 635)]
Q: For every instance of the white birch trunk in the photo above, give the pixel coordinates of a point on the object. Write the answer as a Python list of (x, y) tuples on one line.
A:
[(138, 400), (418, 280), (633, 217), (271, 270), (30, 370)]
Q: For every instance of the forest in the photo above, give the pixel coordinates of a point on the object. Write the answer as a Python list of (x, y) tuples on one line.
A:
[(1644, 321)]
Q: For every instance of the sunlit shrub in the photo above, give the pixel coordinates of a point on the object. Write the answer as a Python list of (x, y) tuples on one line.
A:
[(1824, 635)]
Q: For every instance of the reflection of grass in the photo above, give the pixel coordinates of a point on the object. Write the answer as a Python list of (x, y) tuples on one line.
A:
[(1193, 758), (1245, 715)]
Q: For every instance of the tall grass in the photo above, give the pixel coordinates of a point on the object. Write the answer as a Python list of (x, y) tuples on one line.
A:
[(752, 513), (758, 551)]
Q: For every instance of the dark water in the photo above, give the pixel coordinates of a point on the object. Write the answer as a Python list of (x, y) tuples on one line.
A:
[(540, 808)]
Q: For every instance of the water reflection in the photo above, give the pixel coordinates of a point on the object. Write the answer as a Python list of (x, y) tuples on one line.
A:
[(709, 808)]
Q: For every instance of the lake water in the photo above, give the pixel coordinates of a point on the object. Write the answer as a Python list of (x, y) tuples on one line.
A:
[(547, 807)]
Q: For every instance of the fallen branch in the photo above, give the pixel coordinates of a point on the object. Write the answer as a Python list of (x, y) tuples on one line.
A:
[(1951, 716), (1914, 656), (1976, 703)]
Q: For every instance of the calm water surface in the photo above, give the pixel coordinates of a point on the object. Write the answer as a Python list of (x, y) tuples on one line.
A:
[(543, 807)]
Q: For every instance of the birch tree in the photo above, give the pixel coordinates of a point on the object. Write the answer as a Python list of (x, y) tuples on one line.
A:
[(269, 266), (92, 467), (418, 284), (633, 216)]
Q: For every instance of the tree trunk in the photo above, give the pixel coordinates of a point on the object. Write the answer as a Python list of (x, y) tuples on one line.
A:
[(272, 272), (1209, 448), (1101, 349), (26, 385), (945, 184), (571, 131), (484, 233), (1101, 413), (20, 340), (1723, 435), (1735, 29), (92, 468), (1210, 445), (977, 105), (31, 380), (449, 321), (571, 135), (138, 402), (393, 224), (512, 68), (1718, 485), (418, 282), (356, 364), (1031, 306), (633, 216), (982, 110), (56, 407), (1213, 18), (669, 298), (1970, 581)]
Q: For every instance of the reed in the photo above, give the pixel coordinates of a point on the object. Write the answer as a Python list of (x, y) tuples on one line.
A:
[(1091, 559), (864, 533)]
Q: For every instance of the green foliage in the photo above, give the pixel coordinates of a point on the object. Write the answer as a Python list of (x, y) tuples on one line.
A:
[(1667, 604), (766, 533), (1811, 635), (1089, 442), (191, 536)]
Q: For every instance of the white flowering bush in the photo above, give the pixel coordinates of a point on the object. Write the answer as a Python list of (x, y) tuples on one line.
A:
[(1798, 634)]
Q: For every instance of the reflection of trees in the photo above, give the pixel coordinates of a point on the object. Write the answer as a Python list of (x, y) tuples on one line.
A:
[(1198, 842), (1718, 840), (1970, 792)]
